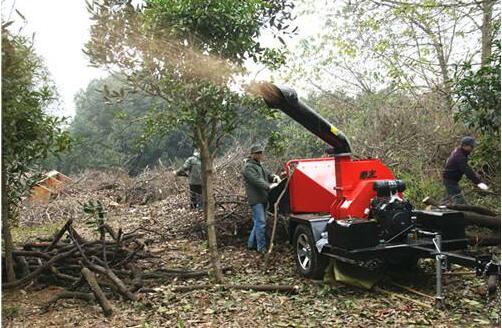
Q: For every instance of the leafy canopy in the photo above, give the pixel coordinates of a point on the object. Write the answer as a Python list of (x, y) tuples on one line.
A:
[(187, 53), (29, 134)]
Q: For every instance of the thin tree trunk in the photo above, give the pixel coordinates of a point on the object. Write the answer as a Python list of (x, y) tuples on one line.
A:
[(209, 209), (486, 32), (8, 244), (438, 46)]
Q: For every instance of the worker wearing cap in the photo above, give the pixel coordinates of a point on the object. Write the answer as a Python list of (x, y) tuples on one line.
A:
[(259, 181), (192, 169), (456, 166)]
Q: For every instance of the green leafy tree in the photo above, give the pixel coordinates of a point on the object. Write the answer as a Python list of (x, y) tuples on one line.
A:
[(29, 134), (188, 53), (478, 106)]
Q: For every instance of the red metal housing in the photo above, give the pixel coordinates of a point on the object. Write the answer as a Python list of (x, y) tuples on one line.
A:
[(339, 185)]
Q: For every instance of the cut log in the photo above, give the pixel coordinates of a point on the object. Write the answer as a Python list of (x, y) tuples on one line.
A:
[(480, 239), (480, 220), (98, 292), (461, 207), (471, 208)]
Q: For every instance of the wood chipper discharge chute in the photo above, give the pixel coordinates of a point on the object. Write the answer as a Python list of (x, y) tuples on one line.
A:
[(353, 211)]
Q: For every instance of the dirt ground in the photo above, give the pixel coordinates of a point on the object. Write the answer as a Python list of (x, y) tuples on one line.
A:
[(315, 305)]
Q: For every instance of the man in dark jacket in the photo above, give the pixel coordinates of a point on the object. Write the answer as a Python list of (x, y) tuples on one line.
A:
[(456, 166), (192, 169), (259, 181)]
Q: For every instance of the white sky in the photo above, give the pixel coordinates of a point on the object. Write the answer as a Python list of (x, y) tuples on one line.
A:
[(61, 29)]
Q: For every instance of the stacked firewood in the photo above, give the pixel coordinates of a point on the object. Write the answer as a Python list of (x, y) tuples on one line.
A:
[(104, 269), (78, 264), (476, 216)]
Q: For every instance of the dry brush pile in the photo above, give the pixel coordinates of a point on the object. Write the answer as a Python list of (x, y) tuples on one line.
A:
[(111, 221)]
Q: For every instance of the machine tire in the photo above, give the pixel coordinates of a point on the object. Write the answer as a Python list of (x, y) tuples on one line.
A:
[(304, 247)]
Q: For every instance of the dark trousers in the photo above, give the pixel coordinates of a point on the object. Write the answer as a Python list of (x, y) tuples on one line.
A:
[(453, 192), (195, 196)]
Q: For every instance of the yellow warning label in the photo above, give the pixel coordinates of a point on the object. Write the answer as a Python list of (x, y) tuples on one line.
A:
[(334, 130)]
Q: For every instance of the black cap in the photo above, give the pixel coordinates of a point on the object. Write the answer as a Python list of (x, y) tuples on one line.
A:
[(469, 141)]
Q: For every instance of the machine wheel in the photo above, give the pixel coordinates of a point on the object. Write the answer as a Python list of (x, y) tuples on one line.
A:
[(308, 261)]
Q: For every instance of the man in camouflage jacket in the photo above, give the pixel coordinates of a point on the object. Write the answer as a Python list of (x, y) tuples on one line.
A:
[(192, 169), (259, 181)]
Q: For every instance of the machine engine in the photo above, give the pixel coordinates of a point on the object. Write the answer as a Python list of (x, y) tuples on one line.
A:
[(390, 211)]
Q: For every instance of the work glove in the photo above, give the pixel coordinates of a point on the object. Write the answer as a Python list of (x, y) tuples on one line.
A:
[(483, 186), (273, 185), (276, 178)]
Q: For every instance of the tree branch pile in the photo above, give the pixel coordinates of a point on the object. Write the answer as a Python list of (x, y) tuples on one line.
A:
[(92, 270)]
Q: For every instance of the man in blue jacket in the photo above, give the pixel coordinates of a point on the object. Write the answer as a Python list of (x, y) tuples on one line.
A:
[(259, 181), (456, 166)]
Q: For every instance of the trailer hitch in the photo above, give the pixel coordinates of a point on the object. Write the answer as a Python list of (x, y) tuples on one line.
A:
[(484, 265)]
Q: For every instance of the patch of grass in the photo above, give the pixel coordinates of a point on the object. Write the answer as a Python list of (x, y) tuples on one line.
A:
[(474, 196), (10, 312), (420, 185), (22, 234)]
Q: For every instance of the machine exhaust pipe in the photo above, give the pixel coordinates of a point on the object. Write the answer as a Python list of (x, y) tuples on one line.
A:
[(286, 100)]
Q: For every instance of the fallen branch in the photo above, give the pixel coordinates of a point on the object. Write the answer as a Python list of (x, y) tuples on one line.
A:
[(472, 218), (89, 297), (98, 292), (264, 288), (478, 239), (392, 294), (411, 290), (38, 271), (121, 287), (472, 208), (60, 234)]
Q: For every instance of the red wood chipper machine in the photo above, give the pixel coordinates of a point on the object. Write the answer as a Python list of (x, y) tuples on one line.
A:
[(353, 210)]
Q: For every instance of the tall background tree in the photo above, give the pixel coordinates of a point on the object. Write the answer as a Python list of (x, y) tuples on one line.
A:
[(108, 134), (371, 45), (188, 53), (29, 134)]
